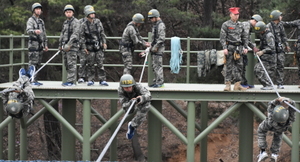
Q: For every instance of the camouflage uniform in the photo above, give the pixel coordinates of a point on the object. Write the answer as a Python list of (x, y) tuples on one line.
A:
[(158, 39), (92, 38), (295, 24), (280, 42), (130, 38), (36, 42), (233, 37), (267, 45), (82, 56), (270, 125), (26, 97), (70, 36), (142, 108)]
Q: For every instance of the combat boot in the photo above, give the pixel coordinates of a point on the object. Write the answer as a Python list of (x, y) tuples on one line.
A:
[(238, 87), (228, 86)]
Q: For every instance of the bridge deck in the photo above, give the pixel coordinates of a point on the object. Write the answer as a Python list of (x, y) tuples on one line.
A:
[(171, 91)]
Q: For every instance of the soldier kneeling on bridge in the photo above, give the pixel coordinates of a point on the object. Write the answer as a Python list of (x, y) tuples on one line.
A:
[(128, 92), (280, 117), (18, 99)]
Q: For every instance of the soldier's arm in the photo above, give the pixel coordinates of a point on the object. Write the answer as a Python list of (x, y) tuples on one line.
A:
[(61, 36), (223, 35), (284, 37), (291, 24), (271, 45), (161, 32), (82, 39), (134, 36), (45, 35), (144, 93), (102, 34), (30, 27), (75, 34)]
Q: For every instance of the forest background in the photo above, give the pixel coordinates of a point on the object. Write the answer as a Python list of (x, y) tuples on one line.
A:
[(183, 18)]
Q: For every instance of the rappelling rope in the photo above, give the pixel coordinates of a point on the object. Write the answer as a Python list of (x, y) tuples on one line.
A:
[(122, 121), (176, 55), (273, 84)]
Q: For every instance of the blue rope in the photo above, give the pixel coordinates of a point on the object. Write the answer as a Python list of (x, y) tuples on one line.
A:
[(176, 55)]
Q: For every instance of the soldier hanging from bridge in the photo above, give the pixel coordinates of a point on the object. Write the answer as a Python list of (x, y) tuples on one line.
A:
[(18, 99), (128, 92)]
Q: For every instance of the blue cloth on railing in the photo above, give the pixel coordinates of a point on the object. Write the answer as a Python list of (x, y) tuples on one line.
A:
[(176, 55)]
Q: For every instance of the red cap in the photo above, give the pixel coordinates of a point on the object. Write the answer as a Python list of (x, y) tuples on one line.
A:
[(234, 10)]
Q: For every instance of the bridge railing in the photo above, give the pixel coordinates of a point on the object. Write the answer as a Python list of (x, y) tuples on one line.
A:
[(18, 54)]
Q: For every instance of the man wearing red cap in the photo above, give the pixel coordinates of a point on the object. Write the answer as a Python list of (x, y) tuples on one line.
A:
[(234, 40)]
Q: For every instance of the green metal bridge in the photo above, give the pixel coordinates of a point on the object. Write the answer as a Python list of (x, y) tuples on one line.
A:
[(52, 90)]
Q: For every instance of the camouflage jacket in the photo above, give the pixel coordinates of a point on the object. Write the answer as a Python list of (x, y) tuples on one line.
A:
[(138, 90), (25, 96), (70, 33), (279, 33), (277, 126), (131, 35), (295, 24), (267, 42), (33, 24), (92, 33), (158, 34), (248, 29), (233, 32)]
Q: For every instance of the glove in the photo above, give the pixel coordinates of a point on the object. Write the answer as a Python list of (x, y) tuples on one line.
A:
[(236, 55), (255, 49), (288, 49), (259, 53), (154, 49), (139, 100), (18, 89), (282, 99), (66, 48)]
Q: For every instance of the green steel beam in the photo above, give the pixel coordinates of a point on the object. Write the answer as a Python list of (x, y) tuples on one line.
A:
[(182, 112), (95, 113), (11, 140), (86, 148), (150, 69), (190, 152), (215, 123), (249, 68), (204, 123), (245, 134), (1, 119), (168, 124), (188, 59), (61, 119), (68, 139), (296, 136), (23, 139), (113, 147), (4, 123), (154, 132), (107, 125)]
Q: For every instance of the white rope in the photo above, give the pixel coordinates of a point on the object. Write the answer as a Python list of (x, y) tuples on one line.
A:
[(146, 52), (273, 84)]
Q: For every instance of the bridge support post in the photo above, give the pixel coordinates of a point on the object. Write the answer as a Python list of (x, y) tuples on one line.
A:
[(191, 131), (113, 147), (23, 139), (204, 122), (296, 136), (1, 132), (11, 140), (86, 148), (68, 139), (246, 134), (154, 134)]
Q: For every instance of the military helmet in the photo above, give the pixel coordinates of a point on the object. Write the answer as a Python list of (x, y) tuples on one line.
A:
[(260, 26), (69, 7), (281, 114), (36, 5), (88, 10), (14, 106), (275, 15), (257, 17), (127, 81), (138, 18), (153, 13)]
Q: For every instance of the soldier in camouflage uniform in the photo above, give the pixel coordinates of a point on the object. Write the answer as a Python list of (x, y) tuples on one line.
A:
[(131, 36), (93, 42), (295, 24), (18, 99), (281, 43), (266, 54), (234, 40), (280, 117), (157, 47), (128, 92), (69, 43), (37, 38), (248, 26)]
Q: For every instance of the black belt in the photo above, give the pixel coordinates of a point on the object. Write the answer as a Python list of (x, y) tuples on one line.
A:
[(234, 43)]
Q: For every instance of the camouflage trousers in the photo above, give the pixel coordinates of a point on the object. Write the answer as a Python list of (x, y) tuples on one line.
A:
[(298, 57), (243, 75), (82, 61), (157, 69), (262, 131), (95, 65), (141, 114), (35, 59), (234, 68), (269, 64), (127, 60), (70, 61), (278, 78)]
